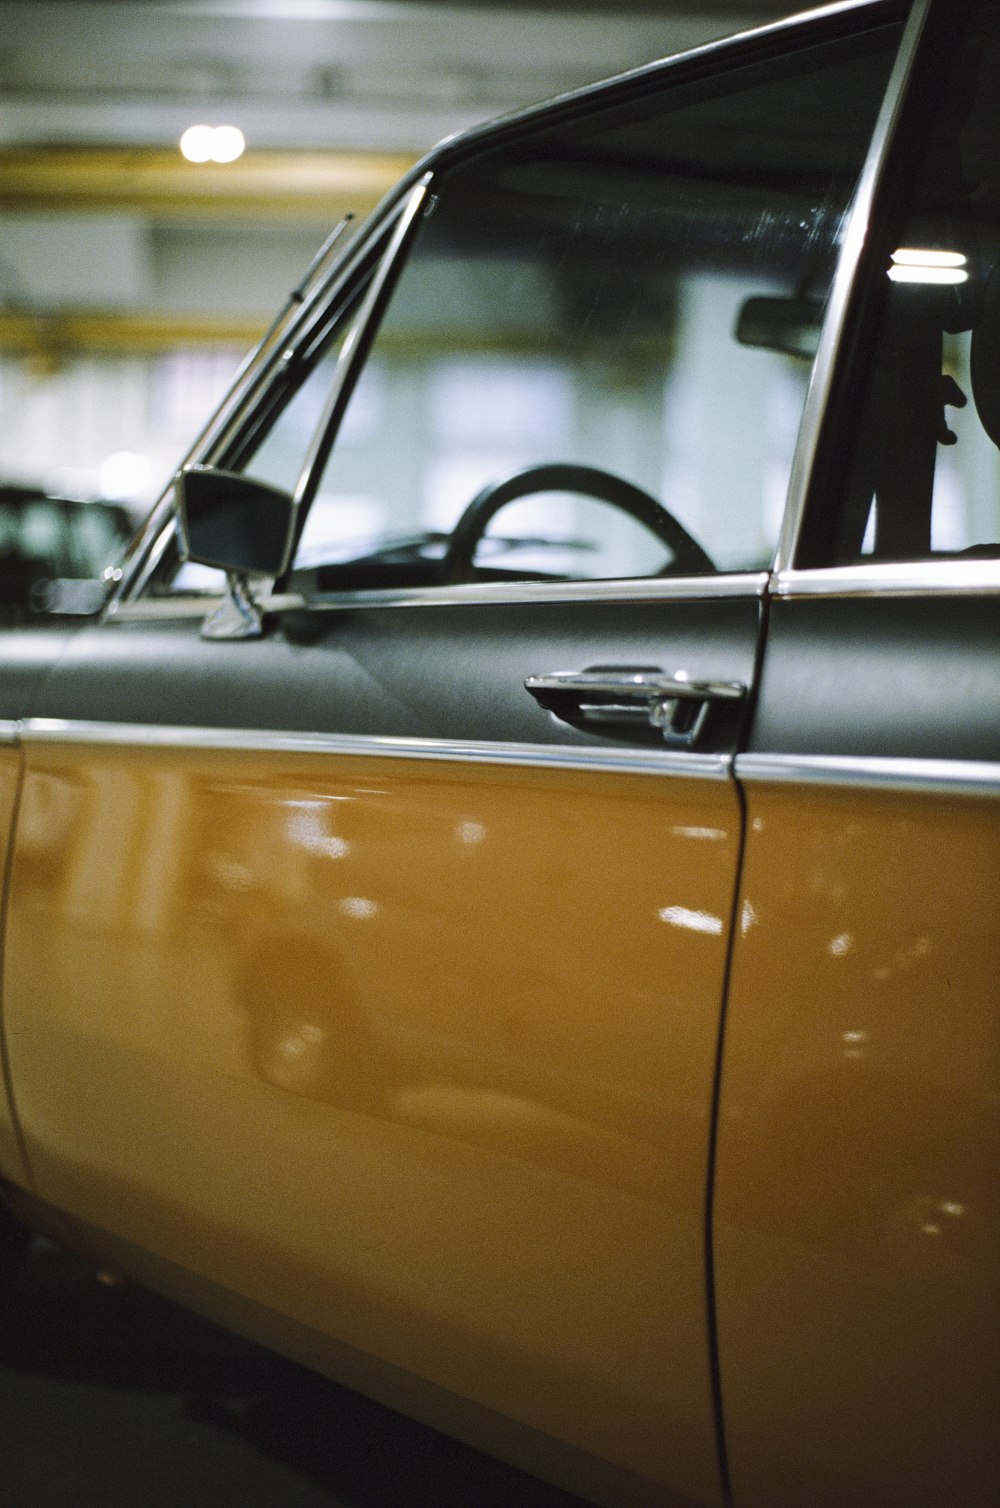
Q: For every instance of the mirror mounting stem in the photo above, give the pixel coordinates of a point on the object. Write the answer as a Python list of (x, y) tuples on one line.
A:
[(238, 616)]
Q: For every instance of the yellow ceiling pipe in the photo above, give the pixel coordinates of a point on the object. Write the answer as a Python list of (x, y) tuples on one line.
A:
[(49, 339), (158, 182)]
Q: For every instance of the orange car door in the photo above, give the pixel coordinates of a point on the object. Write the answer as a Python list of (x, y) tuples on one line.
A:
[(26, 658)]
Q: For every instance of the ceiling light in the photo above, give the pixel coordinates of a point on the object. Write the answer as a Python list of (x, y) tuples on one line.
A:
[(939, 275), (913, 264), (212, 143), (196, 143), (913, 256), (227, 143)]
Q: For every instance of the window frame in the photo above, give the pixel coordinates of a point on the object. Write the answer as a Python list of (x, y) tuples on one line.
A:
[(847, 340), (302, 333)]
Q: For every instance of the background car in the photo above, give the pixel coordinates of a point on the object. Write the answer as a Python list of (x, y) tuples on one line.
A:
[(54, 552)]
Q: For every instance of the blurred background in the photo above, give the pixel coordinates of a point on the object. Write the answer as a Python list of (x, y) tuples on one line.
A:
[(133, 279)]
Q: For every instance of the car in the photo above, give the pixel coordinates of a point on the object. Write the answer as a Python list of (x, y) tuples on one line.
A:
[(55, 550), (502, 904)]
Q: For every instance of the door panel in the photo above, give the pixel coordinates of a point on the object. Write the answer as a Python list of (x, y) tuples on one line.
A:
[(12, 1164), (910, 677), (419, 1054), (450, 672), (859, 1132), (859, 1129), (26, 657)]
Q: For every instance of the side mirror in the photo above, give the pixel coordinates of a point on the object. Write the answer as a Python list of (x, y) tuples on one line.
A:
[(232, 522), (240, 526), (789, 325)]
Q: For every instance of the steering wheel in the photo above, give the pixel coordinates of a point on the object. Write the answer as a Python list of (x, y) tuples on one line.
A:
[(566, 476)]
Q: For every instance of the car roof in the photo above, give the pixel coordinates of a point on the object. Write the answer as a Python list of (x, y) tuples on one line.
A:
[(858, 14)]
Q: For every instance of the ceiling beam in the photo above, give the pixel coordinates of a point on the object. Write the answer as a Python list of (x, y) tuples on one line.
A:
[(157, 183), (50, 339)]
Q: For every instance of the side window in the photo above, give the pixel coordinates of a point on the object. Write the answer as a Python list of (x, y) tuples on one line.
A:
[(278, 459), (596, 355), (923, 480)]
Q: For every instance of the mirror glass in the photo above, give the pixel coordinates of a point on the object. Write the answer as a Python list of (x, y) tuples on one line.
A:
[(233, 522)]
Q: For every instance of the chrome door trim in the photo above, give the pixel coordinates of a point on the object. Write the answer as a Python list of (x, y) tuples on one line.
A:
[(635, 589), (933, 777), (8, 732), (50, 731), (834, 325), (921, 578)]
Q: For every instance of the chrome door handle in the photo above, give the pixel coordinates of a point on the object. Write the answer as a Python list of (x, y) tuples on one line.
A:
[(675, 704)]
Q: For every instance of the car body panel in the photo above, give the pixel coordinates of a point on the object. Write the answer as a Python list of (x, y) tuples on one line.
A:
[(444, 672), (12, 1164), (858, 1146), (214, 831), (452, 1159), (859, 1130)]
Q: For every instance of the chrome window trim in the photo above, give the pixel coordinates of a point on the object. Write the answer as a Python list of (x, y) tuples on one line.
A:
[(922, 578), (8, 732), (933, 777), (353, 355), (752, 586), (45, 730), (845, 278), (536, 115)]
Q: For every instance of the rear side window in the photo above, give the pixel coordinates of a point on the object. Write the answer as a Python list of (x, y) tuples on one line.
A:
[(636, 295), (923, 481)]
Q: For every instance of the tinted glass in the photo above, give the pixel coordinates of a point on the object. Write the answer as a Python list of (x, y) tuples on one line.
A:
[(924, 476), (583, 299)]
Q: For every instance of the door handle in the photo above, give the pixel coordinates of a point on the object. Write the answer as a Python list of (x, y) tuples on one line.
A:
[(674, 704)]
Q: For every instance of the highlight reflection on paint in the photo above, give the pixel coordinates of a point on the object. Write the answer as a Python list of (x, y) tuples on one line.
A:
[(693, 921)]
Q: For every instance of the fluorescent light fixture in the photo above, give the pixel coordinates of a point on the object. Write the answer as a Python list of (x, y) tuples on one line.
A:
[(913, 264), (938, 275), (911, 256), (212, 143)]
